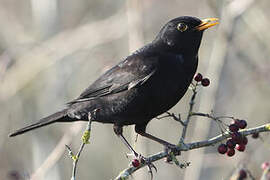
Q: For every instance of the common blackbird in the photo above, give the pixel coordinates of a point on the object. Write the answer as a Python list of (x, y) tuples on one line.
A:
[(144, 85)]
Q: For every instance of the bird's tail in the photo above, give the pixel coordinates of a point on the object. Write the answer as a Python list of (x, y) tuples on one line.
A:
[(60, 116)]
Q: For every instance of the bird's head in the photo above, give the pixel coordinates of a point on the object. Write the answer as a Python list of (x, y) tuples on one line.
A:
[(184, 34)]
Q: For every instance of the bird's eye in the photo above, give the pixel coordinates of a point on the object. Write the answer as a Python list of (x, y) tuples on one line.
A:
[(182, 27)]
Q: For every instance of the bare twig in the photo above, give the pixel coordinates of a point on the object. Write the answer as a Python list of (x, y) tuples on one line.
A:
[(85, 140), (172, 115), (195, 145), (210, 116), (176, 118), (203, 115), (186, 122)]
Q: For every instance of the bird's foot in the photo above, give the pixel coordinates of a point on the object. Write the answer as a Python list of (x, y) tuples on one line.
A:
[(140, 160)]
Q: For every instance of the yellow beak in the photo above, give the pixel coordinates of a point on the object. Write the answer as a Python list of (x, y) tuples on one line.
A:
[(207, 23)]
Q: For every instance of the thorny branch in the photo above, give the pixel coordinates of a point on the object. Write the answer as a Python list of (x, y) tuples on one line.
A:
[(195, 145)]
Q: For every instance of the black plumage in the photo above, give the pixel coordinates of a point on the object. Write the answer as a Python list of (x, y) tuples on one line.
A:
[(146, 84)]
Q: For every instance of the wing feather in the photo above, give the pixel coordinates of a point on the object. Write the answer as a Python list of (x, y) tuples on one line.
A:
[(128, 74)]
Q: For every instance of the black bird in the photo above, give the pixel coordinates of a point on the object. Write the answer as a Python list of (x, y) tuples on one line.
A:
[(144, 85)]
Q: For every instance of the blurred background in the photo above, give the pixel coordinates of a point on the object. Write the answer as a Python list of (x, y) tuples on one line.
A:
[(50, 50)]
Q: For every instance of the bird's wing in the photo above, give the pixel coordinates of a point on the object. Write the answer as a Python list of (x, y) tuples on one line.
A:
[(128, 74)]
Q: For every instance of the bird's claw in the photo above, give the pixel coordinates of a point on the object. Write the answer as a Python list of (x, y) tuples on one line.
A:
[(149, 164)]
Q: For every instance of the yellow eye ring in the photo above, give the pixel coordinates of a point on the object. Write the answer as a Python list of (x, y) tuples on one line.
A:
[(182, 27)]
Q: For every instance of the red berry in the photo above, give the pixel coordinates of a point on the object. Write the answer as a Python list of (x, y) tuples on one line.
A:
[(135, 162), (205, 82), (244, 140), (230, 143), (237, 137), (230, 152), (233, 128), (265, 165), (242, 124), (240, 147), (198, 77), (242, 174), (255, 135), (222, 148), (236, 122)]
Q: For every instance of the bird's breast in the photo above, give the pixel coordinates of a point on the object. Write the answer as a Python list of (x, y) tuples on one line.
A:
[(170, 84)]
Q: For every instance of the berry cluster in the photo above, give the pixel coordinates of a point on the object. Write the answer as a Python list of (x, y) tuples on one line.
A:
[(237, 141), (204, 81)]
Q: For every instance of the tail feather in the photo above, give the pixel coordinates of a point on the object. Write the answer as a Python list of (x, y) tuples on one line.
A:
[(60, 116)]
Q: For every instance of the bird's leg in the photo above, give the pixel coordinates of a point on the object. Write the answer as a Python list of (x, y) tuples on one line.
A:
[(118, 130), (169, 147)]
